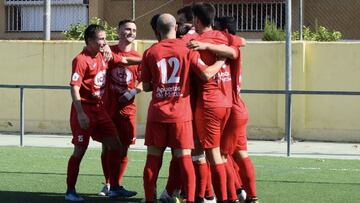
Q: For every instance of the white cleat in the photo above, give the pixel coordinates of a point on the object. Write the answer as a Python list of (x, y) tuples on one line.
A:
[(213, 200), (241, 195), (105, 190)]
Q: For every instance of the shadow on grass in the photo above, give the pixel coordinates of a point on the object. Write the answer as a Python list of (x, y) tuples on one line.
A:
[(38, 197), (64, 174)]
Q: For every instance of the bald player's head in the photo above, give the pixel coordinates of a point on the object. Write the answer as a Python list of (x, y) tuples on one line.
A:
[(165, 24)]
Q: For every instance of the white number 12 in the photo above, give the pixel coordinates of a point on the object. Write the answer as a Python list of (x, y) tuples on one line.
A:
[(163, 66)]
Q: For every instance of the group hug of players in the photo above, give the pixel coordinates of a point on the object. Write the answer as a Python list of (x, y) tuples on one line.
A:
[(194, 74)]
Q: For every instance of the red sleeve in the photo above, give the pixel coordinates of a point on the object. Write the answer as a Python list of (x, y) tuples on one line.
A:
[(137, 73), (144, 68), (78, 71), (236, 42), (137, 69), (116, 58), (196, 63)]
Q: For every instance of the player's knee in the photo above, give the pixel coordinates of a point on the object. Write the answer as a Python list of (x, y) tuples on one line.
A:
[(240, 154), (157, 151), (182, 152), (199, 159), (112, 143), (79, 151), (213, 155), (124, 150)]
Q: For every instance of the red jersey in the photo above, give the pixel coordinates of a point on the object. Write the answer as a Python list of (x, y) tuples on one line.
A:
[(166, 66), (236, 74), (217, 92), (190, 35), (120, 79), (88, 72)]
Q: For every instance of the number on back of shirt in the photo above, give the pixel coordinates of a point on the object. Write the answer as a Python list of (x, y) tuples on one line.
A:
[(170, 64)]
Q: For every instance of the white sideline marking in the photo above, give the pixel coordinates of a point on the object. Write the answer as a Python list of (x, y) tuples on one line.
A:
[(331, 169), (316, 168)]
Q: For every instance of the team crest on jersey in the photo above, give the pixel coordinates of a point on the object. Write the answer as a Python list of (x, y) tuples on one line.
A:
[(100, 78), (75, 76), (122, 75)]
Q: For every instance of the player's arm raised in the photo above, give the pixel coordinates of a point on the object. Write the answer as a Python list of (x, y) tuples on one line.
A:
[(145, 74), (204, 71), (114, 58), (218, 49)]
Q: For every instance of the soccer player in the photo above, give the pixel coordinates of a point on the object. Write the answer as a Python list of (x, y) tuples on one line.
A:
[(185, 17), (120, 100), (87, 111), (214, 100), (153, 23), (235, 139), (165, 71)]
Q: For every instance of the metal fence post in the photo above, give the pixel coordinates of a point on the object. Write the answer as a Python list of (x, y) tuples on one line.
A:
[(301, 19), (288, 77), (22, 120), (47, 19)]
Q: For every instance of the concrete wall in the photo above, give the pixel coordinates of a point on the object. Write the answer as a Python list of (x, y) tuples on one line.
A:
[(316, 66)]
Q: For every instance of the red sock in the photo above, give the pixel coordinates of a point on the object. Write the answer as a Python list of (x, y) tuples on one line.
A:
[(123, 163), (247, 174), (173, 182), (72, 172), (209, 190), (238, 182), (151, 172), (105, 165), (188, 176), (230, 181), (218, 175), (201, 173), (114, 167)]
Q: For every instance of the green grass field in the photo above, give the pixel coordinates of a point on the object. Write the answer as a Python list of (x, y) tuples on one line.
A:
[(34, 174)]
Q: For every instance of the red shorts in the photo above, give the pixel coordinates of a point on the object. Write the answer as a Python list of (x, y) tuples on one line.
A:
[(100, 121), (234, 136), (210, 124), (174, 135), (126, 128)]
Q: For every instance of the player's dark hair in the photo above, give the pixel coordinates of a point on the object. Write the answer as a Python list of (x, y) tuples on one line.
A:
[(187, 11), (123, 22), (205, 12), (91, 31), (153, 22), (182, 29), (224, 23)]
